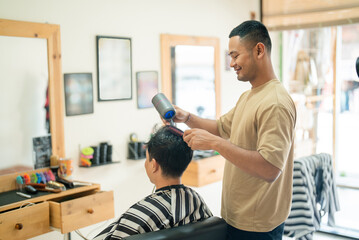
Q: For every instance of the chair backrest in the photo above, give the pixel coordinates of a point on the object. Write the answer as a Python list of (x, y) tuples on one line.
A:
[(213, 228)]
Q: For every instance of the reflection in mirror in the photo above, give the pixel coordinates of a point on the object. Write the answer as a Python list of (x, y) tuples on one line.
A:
[(43, 55), (190, 73), (193, 79), (23, 87), (190, 76)]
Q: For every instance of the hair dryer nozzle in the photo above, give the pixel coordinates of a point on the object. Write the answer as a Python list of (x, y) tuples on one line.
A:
[(163, 106)]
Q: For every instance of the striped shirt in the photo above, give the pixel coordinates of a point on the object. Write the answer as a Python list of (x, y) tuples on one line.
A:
[(168, 207)]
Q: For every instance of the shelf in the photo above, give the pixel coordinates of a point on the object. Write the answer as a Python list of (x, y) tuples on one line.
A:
[(101, 164)]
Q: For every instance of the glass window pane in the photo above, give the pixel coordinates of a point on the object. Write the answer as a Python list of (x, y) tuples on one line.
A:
[(348, 119), (308, 75)]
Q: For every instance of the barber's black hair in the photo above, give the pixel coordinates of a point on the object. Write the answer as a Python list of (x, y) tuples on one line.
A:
[(253, 32), (170, 151)]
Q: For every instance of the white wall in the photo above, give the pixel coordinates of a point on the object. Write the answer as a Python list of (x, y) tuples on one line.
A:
[(143, 21)]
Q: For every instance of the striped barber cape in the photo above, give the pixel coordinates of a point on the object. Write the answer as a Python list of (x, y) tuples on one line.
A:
[(314, 195), (168, 207)]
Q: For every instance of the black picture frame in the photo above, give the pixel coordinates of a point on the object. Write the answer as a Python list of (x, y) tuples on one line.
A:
[(78, 93), (114, 68), (147, 87), (42, 148)]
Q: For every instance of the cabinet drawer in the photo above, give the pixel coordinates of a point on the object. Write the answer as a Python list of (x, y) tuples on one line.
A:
[(17, 224), (204, 171), (81, 210)]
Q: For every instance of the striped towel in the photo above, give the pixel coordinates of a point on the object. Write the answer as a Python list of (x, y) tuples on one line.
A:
[(314, 195)]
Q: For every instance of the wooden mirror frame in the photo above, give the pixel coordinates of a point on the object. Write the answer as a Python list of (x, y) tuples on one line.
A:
[(51, 33), (168, 41)]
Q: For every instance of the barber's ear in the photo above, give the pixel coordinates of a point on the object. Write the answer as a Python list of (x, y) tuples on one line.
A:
[(259, 50)]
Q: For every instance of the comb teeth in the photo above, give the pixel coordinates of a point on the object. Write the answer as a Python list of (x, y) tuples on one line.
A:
[(176, 131)]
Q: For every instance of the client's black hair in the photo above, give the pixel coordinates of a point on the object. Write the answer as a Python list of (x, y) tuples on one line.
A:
[(253, 32), (170, 151)]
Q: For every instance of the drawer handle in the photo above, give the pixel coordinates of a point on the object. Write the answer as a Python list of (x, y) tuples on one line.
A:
[(213, 171), (18, 226), (90, 211)]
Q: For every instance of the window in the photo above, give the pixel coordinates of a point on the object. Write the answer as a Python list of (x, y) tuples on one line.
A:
[(317, 66), (307, 73)]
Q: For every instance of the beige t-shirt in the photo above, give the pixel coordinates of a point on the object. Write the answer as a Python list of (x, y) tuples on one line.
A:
[(263, 120)]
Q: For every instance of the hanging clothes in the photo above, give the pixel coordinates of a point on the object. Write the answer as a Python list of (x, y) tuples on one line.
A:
[(314, 195)]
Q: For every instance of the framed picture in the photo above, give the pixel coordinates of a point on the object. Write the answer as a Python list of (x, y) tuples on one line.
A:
[(78, 93), (114, 68), (42, 149), (147, 87)]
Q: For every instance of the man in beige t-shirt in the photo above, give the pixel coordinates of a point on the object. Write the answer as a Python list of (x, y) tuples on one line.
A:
[(256, 139)]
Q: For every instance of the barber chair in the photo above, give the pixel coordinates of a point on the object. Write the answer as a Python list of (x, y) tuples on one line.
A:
[(213, 228)]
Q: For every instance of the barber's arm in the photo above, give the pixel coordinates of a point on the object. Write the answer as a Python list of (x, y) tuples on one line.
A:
[(194, 121), (249, 161)]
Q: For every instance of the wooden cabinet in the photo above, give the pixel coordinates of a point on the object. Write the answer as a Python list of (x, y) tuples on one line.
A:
[(81, 211), (65, 211), (204, 171), (26, 222)]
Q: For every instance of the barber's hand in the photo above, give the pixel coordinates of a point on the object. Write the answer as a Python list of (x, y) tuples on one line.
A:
[(199, 139), (180, 117)]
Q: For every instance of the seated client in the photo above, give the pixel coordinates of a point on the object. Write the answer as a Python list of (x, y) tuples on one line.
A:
[(172, 204)]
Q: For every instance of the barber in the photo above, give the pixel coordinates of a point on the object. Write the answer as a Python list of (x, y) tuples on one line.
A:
[(256, 139)]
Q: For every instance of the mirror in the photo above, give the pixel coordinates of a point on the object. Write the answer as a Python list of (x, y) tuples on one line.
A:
[(39, 43), (22, 98), (192, 69), (190, 73), (191, 78)]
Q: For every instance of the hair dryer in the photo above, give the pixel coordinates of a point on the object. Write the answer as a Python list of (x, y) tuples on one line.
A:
[(164, 107)]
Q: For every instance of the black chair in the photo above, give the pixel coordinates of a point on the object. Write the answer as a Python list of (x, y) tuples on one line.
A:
[(213, 228)]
